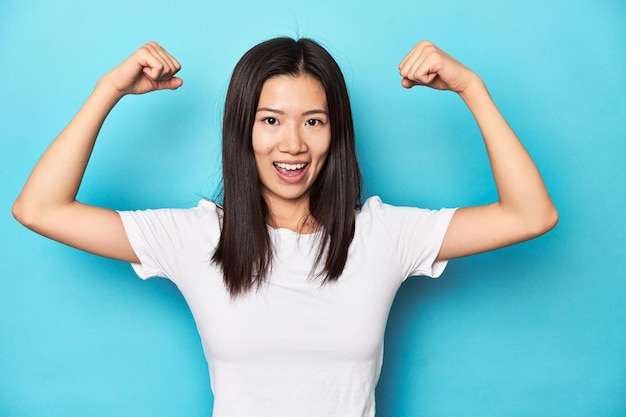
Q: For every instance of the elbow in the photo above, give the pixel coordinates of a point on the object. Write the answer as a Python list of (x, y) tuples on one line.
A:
[(553, 218), (24, 213), (545, 221), (19, 212)]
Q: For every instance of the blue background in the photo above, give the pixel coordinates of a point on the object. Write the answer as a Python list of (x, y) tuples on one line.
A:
[(538, 329)]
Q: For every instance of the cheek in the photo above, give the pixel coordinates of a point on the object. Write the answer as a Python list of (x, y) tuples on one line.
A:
[(323, 147), (261, 144)]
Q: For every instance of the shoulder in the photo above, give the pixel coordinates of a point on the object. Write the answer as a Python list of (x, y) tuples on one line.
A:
[(205, 217), (207, 209), (374, 208), (375, 213)]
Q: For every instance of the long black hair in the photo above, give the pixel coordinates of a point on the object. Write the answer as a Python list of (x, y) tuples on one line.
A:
[(244, 251)]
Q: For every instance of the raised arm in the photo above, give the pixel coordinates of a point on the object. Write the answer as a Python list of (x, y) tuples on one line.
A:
[(47, 203), (524, 209)]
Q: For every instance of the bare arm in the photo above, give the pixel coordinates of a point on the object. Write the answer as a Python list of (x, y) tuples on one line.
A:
[(524, 209), (47, 203)]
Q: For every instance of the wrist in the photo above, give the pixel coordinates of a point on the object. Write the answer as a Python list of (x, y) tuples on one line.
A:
[(474, 89), (107, 91)]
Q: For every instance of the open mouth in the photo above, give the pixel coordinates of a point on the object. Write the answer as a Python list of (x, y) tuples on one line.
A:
[(290, 170)]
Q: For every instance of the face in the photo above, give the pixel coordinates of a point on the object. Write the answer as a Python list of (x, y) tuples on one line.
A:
[(290, 138)]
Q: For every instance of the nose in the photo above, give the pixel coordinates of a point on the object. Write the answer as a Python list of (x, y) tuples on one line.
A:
[(292, 140)]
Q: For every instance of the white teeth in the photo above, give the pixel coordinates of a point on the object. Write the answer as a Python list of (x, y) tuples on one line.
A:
[(289, 167)]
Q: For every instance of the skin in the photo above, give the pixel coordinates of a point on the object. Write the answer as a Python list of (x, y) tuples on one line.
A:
[(524, 209), (47, 203), (291, 127)]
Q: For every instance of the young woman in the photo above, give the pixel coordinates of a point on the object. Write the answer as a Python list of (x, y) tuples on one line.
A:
[(291, 281)]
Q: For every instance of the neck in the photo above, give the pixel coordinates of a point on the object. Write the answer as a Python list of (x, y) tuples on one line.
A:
[(293, 215)]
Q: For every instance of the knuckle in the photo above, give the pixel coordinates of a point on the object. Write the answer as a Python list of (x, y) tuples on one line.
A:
[(425, 43), (145, 48)]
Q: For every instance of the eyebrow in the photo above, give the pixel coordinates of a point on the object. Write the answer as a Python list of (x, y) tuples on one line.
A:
[(306, 113)]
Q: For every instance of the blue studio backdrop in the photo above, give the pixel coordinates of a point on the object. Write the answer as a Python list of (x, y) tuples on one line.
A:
[(537, 329)]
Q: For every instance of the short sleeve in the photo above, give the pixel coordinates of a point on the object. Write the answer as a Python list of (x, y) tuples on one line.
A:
[(414, 236), (160, 237)]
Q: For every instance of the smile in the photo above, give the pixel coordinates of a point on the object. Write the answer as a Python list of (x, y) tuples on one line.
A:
[(289, 167)]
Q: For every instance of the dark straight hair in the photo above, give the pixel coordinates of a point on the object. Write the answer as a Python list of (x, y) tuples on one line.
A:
[(244, 252)]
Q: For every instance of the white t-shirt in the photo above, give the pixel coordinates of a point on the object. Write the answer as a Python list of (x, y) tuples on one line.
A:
[(294, 347)]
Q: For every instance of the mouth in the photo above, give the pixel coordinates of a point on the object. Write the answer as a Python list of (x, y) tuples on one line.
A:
[(289, 167), (290, 170)]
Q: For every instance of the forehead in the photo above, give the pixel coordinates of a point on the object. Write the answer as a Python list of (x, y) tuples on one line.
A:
[(292, 91)]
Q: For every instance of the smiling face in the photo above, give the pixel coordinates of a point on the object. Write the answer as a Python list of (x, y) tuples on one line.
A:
[(290, 139)]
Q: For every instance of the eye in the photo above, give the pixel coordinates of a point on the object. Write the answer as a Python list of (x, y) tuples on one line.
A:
[(269, 120), (314, 122)]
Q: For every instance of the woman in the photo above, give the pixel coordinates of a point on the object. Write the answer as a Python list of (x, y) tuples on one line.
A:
[(291, 282)]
